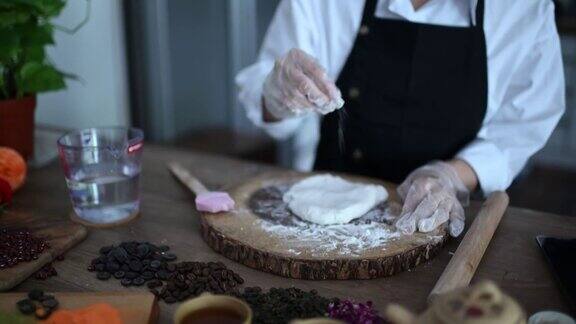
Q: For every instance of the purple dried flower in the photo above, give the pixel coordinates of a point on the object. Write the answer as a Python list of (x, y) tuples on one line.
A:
[(354, 313)]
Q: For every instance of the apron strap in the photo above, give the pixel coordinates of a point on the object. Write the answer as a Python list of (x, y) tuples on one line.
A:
[(368, 13), (480, 14)]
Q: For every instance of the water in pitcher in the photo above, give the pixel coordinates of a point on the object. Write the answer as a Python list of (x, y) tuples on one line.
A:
[(104, 193)]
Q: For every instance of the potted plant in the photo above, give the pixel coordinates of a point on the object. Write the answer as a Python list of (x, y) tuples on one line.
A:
[(25, 70)]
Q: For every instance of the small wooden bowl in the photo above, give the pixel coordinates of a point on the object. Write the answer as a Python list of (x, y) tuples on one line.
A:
[(208, 300)]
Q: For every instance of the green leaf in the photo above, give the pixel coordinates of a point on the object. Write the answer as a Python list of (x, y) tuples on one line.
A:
[(33, 53), (33, 34), (9, 45), (13, 16), (50, 8), (44, 8), (36, 77)]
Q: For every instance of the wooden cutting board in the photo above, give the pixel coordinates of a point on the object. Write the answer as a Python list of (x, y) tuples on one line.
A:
[(61, 234), (243, 236), (134, 308)]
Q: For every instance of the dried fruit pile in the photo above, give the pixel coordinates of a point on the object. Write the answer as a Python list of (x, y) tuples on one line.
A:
[(354, 313), (189, 279), (281, 305), (19, 246), (138, 263)]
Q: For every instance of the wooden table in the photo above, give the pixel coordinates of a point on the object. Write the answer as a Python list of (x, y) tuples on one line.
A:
[(513, 259)]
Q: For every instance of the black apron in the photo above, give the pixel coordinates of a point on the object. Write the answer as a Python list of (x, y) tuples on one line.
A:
[(414, 93)]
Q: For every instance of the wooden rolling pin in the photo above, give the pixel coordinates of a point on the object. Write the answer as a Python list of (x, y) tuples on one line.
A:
[(465, 260)]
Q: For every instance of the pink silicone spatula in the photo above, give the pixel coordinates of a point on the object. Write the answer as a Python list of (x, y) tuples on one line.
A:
[(206, 201)]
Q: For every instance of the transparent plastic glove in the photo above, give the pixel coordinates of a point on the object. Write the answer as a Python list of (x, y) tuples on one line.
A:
[(298, 84), (433, 195)]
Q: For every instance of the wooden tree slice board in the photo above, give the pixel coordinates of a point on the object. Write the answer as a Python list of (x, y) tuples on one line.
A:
[(60, 234), (245, 237), (134, 308)]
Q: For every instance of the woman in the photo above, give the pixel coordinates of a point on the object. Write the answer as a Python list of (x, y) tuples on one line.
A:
[(442, 95)]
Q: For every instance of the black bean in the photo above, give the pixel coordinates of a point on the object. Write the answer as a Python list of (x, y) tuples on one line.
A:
[(147, 275), (154, 283), (105, 249), (162, 275), (170, 257), (26, 306), (155, 264), (125, 282), (138, 281), (142, 250), (131, 275), (135, 265), (50, 303), (103, 275), (35, 294), (238, 278), (112, 267), (120, 254), (119, 274), (170, 300)]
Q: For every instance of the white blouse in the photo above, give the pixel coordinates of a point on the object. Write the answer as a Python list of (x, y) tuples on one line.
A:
[(525, 75)]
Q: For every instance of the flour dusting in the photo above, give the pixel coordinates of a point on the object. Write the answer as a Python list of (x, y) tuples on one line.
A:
[(373, 230)]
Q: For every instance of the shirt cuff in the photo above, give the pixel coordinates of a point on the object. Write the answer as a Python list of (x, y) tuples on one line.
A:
[(489, 163)]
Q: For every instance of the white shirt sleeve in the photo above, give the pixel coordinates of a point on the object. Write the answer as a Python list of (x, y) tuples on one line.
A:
[(530, 108), (288, 29)]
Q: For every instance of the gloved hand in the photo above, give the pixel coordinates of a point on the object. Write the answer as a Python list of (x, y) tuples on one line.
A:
[(432, 195), (298, 84)]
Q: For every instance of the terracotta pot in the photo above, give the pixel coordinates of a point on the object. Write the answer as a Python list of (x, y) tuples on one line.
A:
[(17, 125)]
